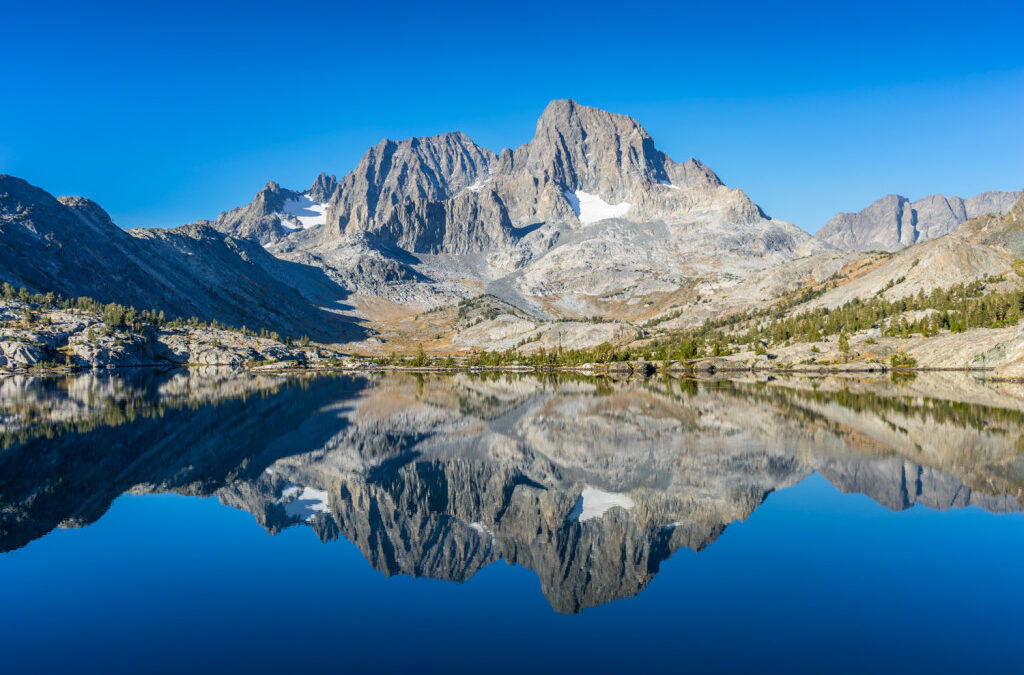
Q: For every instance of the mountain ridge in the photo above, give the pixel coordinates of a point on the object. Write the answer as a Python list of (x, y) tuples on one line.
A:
[(588, 223), (893, 221), (70, 245)]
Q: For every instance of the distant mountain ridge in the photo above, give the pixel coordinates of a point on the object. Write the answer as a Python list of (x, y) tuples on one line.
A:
[(893, 222), (69, 245)]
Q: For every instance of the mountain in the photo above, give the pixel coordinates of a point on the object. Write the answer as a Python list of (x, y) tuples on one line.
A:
[(894, 222), (69, 245), (276, 212), (984, 246), (585, 234), (588, 218), (422, 195)]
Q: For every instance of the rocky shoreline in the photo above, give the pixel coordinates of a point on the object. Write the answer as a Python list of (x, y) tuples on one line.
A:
[(61, 340), (34, 340), (619, 369)]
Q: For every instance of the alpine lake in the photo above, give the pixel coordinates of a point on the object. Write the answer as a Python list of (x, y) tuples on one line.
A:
[(208, 520)]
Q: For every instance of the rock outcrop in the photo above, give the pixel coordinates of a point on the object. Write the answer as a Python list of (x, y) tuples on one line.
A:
[(79, 339)]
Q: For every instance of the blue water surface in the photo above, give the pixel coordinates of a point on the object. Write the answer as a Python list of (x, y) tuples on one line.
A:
[(813, 581)]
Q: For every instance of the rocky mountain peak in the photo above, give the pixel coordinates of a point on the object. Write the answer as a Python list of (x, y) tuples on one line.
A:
[(323, 188), (582, 148), (270, 199), (17, 194), (396, 181), (31, 209), (88, 210)]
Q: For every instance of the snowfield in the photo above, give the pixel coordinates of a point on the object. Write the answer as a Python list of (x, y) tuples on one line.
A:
[(591, 208), (303, 502), (303, 213), (593, 503)]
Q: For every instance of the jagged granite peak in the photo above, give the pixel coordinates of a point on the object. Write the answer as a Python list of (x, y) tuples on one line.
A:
[(583, 148), (276, 212), (894, 222), (582, 166), (580, 149), (260, 219), (323, 188), (984, 246), (393, 174), (588, 209)]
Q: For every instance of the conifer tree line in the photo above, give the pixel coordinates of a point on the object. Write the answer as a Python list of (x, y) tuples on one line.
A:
[(955, 309), (124, 317)]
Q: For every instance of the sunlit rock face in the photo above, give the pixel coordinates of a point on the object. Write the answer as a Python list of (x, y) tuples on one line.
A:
[(590, 483), (894, 222), (584, 219)]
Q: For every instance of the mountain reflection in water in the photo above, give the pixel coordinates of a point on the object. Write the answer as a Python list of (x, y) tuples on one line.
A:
[(590, 483)]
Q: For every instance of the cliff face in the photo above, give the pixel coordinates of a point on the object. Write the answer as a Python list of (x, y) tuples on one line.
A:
[(590, 484), (401, 190)]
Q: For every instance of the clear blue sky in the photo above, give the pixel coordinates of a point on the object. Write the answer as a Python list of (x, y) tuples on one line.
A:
[(166, 114)]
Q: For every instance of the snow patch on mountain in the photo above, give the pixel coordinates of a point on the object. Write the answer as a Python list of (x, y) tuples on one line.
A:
[(593, 503), (591, 208), (303, 502), (303, 213)]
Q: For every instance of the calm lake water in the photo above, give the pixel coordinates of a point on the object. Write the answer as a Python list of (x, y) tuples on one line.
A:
[(208, 521)]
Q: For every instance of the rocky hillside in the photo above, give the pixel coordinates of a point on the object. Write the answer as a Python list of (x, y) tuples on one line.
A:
[(35, 336), (894, 222), (985, 246), (70, 246)]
